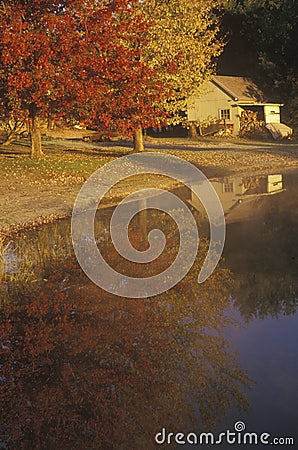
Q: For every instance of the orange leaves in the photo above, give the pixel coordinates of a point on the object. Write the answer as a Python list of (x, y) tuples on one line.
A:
[(80, 59), (30, 53)]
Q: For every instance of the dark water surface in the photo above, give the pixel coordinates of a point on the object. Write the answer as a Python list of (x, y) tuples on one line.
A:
[(83, 369)]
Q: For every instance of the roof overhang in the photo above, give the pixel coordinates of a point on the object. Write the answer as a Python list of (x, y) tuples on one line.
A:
[(257, 104)]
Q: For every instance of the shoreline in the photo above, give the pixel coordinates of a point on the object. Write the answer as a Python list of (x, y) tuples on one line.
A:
[(12, 230), (34, 193)]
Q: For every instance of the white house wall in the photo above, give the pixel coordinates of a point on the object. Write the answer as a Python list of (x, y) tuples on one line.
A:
[(272, 113), (209, 105)]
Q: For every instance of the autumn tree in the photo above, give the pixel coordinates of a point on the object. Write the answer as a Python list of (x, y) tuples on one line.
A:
[(182, 46), (36, 43), (125, 64), (157, 54), (76, 58), (121, 90)]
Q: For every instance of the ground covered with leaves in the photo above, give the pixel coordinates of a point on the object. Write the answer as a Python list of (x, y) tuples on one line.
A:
[(37, 191)]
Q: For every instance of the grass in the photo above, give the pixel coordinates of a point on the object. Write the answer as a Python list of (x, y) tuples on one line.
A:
[(31, 258), (69, 162), (3, 255), (213, 141), (35, 190), (58, 168), (73, 161)]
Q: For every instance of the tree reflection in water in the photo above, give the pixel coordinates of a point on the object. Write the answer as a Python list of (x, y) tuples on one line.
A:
[(83, 369)]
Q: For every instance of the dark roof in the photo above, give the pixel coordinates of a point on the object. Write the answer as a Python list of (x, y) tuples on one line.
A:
[(239, 88)]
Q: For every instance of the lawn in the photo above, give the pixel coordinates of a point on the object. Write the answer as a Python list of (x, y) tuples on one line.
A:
[(34, 191)]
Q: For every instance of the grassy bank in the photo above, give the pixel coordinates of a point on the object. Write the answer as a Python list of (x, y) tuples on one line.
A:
[(33, 191)]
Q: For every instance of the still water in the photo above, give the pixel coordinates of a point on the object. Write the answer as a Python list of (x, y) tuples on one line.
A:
[(83, 369)]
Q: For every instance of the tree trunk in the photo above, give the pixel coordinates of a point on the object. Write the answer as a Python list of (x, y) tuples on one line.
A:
[(35, 134), (138, 141), (192, 130), (51, 123)]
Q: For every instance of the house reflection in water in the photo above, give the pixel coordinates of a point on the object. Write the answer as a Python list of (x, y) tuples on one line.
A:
[(233, 191)]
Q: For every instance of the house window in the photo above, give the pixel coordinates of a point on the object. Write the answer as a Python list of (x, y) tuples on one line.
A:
[(225, 114), (228, 186)]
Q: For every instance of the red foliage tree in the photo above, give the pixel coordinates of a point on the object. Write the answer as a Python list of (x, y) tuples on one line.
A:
[(35, 72), (118, 87), (79, 58)]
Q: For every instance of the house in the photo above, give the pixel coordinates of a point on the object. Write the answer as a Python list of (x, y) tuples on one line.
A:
[(224, 98)]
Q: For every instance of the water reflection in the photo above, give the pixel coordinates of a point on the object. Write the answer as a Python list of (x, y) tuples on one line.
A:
[(235, 190), (262, 251), (83, 369), (261, 246)]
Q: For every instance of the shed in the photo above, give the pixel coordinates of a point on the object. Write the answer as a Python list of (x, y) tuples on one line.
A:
[(225, 97)]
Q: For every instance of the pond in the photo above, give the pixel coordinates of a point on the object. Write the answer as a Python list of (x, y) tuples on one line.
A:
[(82, 368)]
